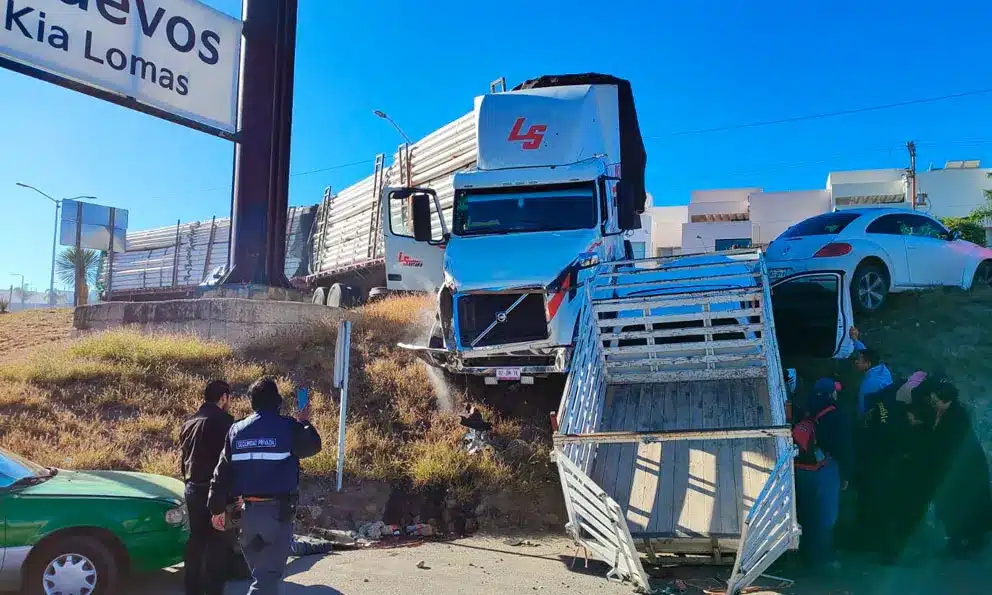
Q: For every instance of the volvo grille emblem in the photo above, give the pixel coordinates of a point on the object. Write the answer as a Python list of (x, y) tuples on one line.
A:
[(501, 317)]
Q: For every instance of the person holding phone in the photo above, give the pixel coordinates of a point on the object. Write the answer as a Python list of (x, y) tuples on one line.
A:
[(260, 464)]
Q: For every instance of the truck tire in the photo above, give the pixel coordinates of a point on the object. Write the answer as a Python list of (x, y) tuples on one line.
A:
[(376, 294), (69, 563), (342, 296), (320, 296)]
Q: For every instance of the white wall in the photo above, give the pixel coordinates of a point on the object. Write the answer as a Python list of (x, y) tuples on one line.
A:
[(953, 192), (701, 237), (773, 212), (666, 226)]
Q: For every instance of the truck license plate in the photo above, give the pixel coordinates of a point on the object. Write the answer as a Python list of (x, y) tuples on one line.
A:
[(507, 373)]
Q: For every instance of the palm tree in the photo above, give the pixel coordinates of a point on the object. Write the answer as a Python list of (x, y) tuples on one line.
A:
[(79, 269)]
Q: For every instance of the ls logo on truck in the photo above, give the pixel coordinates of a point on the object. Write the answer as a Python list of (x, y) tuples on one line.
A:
[(533, 137), (406, 260)]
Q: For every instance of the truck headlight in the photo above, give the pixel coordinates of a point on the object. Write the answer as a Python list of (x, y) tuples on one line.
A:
[(176, 516)]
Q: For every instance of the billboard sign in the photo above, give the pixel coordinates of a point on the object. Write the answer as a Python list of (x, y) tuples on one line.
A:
[(179, 56), (94, 225)]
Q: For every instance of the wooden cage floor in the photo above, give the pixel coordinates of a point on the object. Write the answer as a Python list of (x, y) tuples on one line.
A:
[(693, 488)]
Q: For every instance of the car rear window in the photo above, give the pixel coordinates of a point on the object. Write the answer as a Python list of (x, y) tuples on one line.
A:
[(821, 225)]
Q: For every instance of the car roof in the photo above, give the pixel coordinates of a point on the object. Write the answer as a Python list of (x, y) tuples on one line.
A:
[(878, 211)]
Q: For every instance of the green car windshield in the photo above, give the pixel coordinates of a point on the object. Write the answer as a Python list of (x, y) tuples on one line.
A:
[(13, 468)]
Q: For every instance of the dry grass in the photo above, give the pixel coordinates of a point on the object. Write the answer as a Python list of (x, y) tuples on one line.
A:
[(115, 400), (31, 328)]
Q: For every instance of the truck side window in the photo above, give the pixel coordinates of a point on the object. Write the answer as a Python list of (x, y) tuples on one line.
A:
[(604, 206), (401, 220)]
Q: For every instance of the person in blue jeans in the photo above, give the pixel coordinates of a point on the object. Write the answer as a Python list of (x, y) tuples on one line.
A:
[(823, 468)]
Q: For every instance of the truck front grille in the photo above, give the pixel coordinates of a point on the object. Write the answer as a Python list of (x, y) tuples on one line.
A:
[(525, 322)]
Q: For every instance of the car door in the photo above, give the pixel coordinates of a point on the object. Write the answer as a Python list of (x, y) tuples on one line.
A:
[(813, 315), (411, 265), (932, 257), (887, 233)]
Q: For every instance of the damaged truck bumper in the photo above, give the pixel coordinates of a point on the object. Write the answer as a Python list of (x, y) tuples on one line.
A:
[(509, 364)]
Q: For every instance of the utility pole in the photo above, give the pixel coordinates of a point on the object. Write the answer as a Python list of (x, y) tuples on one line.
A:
[(911, 147)]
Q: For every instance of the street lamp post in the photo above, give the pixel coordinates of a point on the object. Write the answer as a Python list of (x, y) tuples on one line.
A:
[(55, 237), (386, 117)]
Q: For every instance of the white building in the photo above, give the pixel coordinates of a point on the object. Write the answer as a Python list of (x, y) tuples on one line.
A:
[(745, 217)]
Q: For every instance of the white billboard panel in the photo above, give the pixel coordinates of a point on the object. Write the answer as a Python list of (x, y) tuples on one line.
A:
[(179, 56)]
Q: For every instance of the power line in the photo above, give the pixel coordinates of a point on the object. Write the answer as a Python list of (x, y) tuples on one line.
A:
[(292, 175), (821, 115)]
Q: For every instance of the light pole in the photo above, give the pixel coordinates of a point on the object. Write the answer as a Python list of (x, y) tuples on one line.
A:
[(386, 117), (22, 290), (55, 237)]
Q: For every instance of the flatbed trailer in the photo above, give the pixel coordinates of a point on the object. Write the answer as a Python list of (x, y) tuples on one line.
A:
[(672, 433)]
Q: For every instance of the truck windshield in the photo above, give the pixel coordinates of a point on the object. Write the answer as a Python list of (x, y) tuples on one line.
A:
[(482, 212)]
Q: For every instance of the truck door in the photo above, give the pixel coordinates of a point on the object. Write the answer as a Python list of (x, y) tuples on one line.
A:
[(412, 265), (813, 315)]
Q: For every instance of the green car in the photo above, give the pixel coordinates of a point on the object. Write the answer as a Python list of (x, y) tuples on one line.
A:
[(77, 532)]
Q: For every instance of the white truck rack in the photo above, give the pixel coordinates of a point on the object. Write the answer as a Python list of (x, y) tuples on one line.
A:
[(672, 434)]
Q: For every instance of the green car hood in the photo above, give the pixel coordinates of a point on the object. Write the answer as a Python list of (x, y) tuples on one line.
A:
[(111, 484)]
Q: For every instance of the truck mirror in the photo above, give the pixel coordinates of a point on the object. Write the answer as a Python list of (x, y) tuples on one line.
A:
[(421, 217)]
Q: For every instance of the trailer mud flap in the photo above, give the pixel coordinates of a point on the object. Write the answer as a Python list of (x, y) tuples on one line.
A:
[(770, 527), (596, 522)]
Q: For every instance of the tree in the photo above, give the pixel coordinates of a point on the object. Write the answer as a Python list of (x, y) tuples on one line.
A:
[(79, 269)]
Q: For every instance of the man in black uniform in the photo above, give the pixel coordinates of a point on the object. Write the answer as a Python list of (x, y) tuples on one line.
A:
[(260, 463), (202, 438)]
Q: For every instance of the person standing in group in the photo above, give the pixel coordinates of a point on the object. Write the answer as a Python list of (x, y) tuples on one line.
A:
[(823, 467), (202, 439), (260, 464), (958, 467), (876, 377)]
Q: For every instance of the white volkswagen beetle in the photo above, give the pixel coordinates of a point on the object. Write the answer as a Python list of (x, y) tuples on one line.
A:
[(882, 250)]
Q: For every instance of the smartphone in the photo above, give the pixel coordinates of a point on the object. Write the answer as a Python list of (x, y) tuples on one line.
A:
[(302, 397)]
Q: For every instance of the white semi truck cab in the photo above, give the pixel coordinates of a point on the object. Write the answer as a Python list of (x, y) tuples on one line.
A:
[(548, 201)]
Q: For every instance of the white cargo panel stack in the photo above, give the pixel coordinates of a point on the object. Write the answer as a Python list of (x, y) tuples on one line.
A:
[(181, 257), (674, 415), (342, 237)]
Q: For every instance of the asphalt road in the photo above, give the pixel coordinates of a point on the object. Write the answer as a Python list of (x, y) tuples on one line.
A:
[(480, 566), (477, 566)]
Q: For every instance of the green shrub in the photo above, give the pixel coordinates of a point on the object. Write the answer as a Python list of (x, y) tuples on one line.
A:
[(969, 227)]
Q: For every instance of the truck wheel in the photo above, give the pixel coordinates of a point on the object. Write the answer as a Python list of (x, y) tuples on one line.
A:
[(320, 296), (72, 565), (376, 294), (342, 296)]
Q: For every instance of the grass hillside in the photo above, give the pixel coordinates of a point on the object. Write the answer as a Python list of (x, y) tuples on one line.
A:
[(115, 400)]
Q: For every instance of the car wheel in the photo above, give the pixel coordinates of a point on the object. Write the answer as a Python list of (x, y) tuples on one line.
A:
[(869, 288), (983, 276), (75, 565)]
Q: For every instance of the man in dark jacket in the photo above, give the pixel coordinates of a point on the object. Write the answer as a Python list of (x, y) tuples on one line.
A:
[(823, 467), (202, 438), (260, 464)]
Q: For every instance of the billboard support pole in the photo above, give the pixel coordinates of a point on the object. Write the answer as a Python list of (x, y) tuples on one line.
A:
[(261, 155), (55, 243)]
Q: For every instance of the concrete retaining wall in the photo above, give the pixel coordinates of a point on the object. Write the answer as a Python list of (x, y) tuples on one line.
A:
[(235, 321)]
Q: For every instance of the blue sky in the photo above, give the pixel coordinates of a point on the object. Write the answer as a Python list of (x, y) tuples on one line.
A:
[(693, 65)]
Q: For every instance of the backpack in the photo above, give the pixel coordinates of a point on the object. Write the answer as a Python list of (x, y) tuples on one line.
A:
[(810, 455)]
